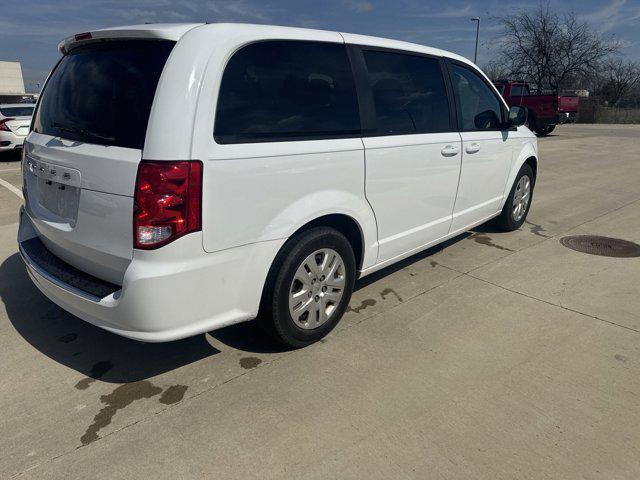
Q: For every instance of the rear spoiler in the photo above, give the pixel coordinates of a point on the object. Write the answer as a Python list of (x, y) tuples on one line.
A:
[(151, 31)]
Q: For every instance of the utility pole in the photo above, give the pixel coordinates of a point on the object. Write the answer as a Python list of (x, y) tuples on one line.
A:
[(476, 19)]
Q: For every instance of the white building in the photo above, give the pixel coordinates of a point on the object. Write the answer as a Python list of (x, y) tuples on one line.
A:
[(11, 82)]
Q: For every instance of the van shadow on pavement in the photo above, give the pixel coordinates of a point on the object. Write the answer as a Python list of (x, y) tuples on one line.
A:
[(97, 353)]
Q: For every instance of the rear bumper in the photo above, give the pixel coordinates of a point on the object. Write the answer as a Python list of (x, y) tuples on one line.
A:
[(167, 294), (10, 141)]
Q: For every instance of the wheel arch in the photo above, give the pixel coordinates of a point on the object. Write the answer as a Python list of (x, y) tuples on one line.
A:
[(532, 161), (342, 222), (528, 155), (346, 225)]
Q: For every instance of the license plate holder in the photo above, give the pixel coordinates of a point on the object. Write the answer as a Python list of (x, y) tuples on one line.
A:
[(52, 191)]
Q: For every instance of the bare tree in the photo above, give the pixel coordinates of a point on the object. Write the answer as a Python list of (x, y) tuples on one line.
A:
[(550, 49), (496, 71), (617, 78)]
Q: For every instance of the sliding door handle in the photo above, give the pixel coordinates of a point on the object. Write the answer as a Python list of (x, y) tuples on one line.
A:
[(472, 148), (450, 151)]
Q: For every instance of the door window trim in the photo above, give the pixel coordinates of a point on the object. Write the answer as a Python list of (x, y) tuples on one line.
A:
[(366, 102), (450, 62)]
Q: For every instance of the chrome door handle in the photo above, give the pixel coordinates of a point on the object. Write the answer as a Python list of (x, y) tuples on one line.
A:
[(449, 151), (473, 148)]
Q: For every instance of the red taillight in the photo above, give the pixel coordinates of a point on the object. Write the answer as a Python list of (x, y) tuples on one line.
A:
[(3, 124), (167, 202)]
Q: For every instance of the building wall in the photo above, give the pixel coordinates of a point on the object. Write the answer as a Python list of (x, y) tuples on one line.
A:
[(11, 78)]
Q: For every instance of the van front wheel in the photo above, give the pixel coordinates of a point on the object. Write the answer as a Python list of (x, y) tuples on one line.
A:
[(517, 205), (309, 286)]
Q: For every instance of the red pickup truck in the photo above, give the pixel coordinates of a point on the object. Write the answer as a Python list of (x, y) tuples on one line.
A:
[(545, 111)]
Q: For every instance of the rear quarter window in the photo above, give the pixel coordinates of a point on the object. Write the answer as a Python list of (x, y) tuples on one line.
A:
[(287, 90), (102, 93)]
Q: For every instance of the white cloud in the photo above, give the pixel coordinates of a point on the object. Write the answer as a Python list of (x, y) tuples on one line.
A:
[(449, 12), (360, 6), (238, 10), (616, 14)]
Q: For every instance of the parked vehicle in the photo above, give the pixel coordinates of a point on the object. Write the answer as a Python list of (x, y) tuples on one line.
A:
[(259, 171), (14, 125), (545, 111)]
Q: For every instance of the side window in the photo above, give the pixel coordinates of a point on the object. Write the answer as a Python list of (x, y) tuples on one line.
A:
[(409, 93), (520, 91), (287, 90), (479, 107)]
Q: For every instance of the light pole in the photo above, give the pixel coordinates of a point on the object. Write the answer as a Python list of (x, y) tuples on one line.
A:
[(476, 19)]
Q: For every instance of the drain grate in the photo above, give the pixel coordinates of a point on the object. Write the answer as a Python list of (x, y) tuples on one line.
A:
[(603, 246)]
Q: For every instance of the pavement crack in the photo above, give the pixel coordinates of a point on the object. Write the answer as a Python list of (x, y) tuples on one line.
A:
[(594, 317), (551, 237), (283, 356)]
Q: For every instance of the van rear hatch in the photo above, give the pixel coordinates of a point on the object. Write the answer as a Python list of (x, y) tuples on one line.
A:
[(82, 156)]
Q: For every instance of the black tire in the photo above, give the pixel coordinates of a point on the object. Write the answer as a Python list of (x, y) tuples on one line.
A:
[(275, 316), (544, 131), (506, 220)]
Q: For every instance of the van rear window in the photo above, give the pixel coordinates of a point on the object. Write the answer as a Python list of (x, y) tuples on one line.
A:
[(102, 93)]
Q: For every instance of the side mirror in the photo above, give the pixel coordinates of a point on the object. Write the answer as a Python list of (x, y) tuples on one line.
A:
[(517, 116)]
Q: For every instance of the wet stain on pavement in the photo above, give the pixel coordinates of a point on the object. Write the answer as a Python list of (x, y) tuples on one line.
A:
[(433, 263), (390, 291), (249, 362), (121, 397), (537, 229), (68, 338), (173, 394), (97, 371), (620, 358), (369, 302), (484, 239)]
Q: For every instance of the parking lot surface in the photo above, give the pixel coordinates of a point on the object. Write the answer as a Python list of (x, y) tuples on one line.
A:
[(497, 356)]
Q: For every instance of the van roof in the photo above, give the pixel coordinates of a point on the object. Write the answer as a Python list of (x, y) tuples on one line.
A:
[(165, 31), (174, 31)]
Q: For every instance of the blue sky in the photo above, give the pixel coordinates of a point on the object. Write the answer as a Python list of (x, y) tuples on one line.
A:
[(31, 29)]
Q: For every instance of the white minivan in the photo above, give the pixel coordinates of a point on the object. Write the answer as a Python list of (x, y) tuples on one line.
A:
[(181, 178)]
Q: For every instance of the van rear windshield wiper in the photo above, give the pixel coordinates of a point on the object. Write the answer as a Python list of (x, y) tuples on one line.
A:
[(83, 131)]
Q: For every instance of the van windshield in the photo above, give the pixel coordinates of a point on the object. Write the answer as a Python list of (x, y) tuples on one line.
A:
[(102, 93)]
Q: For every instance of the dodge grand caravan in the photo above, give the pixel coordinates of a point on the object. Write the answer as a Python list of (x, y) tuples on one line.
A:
[(181, 178)]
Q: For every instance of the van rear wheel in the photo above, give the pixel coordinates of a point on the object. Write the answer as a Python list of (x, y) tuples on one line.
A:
[(309, 287)]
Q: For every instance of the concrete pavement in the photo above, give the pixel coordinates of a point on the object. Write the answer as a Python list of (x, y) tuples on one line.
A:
[(499, 356)]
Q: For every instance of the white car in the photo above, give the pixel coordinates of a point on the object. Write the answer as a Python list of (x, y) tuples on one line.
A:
[(15, 119), (257, 172)]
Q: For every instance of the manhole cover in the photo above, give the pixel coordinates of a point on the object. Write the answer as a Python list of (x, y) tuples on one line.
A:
[(604, 246)]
